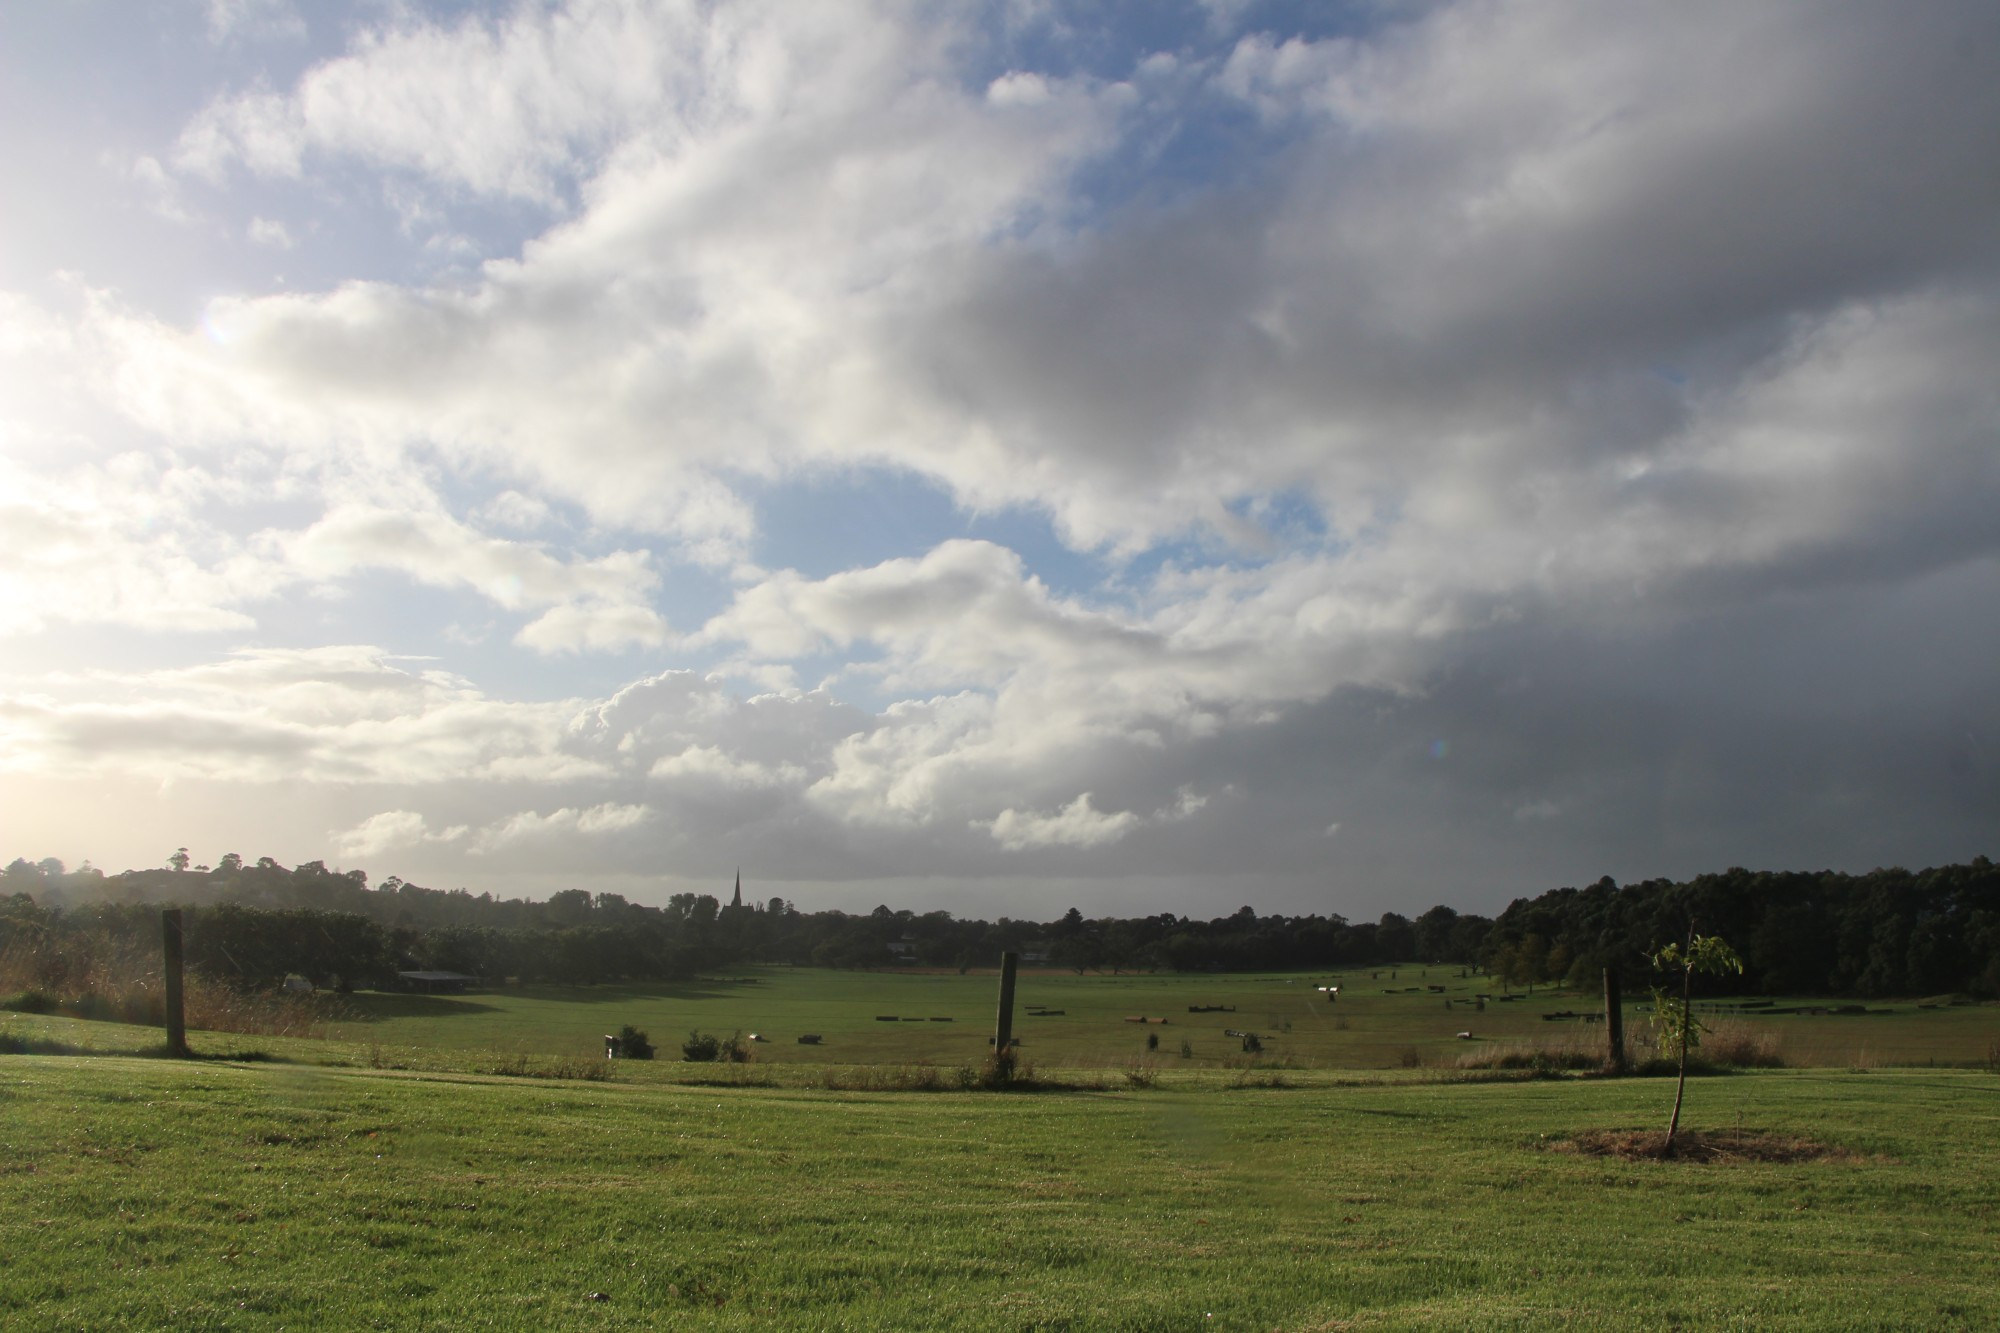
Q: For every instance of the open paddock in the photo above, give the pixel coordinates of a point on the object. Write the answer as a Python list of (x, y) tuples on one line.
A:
[(150, 1193), (1088, 1022)]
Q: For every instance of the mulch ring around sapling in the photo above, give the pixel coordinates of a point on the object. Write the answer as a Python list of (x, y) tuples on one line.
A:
[(1718, 1146)]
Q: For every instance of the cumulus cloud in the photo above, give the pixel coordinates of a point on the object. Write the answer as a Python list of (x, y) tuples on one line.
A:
[(1369, 385), (1075, 825), (559, 825), (390, 830)]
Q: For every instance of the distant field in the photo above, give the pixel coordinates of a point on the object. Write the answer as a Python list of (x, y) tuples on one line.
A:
[(148, 1193), (1379, 1021)]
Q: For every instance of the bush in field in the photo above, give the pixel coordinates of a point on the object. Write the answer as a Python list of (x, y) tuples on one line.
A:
[(634, 1044), (700, 1047), (734, 1049)]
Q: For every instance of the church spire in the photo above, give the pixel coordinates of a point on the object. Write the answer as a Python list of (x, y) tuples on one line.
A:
[(737, 901)]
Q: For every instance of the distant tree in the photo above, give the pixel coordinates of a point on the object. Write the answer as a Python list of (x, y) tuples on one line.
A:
[(1679, 1029), (700, 1047), (1433, 935), (230, 863), (1395, 941), (179, 860)]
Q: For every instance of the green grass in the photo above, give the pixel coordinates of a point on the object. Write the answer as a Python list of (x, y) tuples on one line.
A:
[(144, 1193), (1380, 1021), (383, 1175)]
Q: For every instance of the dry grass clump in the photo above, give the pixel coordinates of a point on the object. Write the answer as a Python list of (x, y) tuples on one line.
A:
[(1719, 1146), (560, 1067), (93, 977), (1560, 1058), (1740, 1046)]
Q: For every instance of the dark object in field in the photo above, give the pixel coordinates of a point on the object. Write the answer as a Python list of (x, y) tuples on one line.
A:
[(809, 1039), (1002, 1070), (886, 1018), (1152, 1041), (171, 940), (908, 1019), (936, 1019), (1252, 1043), (1141, 1018), (611, 1046), (1046, 1013), (1211, 1008), (634, 1044)]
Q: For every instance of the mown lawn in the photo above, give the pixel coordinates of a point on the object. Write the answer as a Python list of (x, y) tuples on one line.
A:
[(145, 1193)]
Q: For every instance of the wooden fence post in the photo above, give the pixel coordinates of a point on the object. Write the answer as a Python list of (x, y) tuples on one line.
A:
[(1614, 1020), (170, 963), (1003, 1027)]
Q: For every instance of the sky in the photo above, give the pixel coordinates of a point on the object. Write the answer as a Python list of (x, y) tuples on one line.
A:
[(1000, 457)]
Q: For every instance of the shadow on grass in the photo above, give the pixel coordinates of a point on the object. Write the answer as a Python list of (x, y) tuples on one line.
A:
[(380, 1006), (629, 992)]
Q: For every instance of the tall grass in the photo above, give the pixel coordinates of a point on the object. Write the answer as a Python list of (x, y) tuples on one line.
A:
[(1724, 1045), (96, 977)]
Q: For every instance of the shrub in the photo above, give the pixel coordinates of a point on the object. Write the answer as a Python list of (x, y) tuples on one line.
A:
[(634, 1044), (31, 1002), (734, 1049), (700, 1047)]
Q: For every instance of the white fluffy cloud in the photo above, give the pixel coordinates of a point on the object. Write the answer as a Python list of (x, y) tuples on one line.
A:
[(1342, 366)]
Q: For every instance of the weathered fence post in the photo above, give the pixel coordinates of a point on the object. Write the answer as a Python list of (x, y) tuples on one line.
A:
[(170, 964), (1614, 1020), (1003, 1027)]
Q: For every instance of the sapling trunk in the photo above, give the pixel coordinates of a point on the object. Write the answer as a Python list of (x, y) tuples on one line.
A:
[(1687, 1017)]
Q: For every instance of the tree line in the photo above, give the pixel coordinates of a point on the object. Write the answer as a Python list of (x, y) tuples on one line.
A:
[(255, 923)]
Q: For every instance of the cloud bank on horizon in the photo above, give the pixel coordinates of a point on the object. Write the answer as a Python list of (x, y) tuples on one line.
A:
[(1156, 457)]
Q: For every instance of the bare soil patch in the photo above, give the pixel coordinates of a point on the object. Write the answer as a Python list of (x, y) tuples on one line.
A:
[(1718, 1146)]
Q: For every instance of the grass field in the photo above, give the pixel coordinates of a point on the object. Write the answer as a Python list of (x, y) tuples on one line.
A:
[(145, 1193), (320, 1185), (1380, 1020)]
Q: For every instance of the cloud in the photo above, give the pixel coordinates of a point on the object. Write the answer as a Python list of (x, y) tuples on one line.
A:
[(389, 831), (328, 716), (558, 826), (271, 233), (1366, 386), (1075, 825)]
